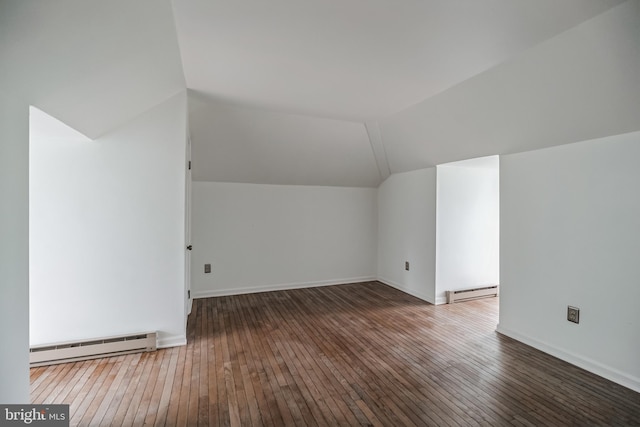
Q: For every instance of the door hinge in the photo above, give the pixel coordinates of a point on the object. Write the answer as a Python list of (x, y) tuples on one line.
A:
[(189, 164), (189, 294)]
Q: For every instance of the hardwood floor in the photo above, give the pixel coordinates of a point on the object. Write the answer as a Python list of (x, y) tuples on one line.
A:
[(361, 354)]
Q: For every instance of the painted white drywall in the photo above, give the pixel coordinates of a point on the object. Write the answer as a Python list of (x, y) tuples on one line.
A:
[(250, 145), (66, 56), (579, 85), (107, 231), (468, 225), (265, 237), (14, 250), (570, 235), (407, 232)]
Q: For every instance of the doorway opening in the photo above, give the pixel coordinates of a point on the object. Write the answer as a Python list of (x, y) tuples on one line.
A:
[(467, 225)]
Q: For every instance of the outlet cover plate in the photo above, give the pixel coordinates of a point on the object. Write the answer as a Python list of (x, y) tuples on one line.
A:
[(573, 314)]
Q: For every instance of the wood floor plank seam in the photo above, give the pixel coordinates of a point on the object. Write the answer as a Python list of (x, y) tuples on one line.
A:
[(392, 371), (328, 339), (444, 370), (95, 393), (356, 354), (271, 368)]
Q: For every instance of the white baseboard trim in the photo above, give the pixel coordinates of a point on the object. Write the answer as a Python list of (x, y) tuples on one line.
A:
[(441, 300), (402, 288), (172, 341), (279, 287), (587, 364)]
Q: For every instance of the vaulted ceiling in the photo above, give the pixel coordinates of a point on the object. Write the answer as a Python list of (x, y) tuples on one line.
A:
[(338, 92), (358, 59), (108, 60), (335, 92)]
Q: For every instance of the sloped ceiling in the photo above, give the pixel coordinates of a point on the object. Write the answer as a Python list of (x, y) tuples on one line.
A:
[(357, 59), (108, 61), (583, 84), (233, 144), (335, 92), (420, 73)]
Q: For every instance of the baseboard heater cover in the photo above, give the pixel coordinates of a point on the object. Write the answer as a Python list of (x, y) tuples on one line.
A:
[(53, 354), (470, 294)]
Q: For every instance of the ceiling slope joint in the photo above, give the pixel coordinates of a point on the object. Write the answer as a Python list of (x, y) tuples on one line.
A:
[(377, 146)]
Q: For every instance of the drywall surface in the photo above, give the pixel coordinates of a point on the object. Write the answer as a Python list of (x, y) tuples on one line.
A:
[(570, 235), (265, 237), (14, 249), (65, 56), (407, 232), (468, 225), (579, 85), (107, 231), (250, 145)]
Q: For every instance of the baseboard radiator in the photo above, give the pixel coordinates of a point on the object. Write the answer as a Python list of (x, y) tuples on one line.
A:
[(91, 349), (470, 294)]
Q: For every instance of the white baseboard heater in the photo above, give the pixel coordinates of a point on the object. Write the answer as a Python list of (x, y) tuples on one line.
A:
[(53, 354), (469, 294)]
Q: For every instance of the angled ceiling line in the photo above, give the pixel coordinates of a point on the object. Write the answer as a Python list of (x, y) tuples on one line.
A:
[(377, 146), (44, 126)]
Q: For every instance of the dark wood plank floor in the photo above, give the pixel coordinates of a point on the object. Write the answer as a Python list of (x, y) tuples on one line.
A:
[(362, 354)]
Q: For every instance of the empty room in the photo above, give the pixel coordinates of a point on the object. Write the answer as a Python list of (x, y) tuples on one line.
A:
[(320, 213)]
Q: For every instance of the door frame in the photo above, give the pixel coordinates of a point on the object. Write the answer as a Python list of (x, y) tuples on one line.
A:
[(187, 221)]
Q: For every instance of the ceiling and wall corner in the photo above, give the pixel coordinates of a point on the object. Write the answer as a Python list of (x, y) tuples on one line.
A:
[(377, 145), (92, 65), (248, 145), (431, 74), (329, 93), (43, 126), (580, 85), (360, 60)]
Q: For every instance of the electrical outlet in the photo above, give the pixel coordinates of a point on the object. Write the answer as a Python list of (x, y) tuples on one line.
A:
[(573, 314), (207, 268), (406, 265)]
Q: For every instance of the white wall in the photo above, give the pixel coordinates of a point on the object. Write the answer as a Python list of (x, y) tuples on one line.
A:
[(579, 85), (93, 76), (570, 235), (251, 145), (468, 225), (264, 237), (14, 252), (407, 232), (107, 231)]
